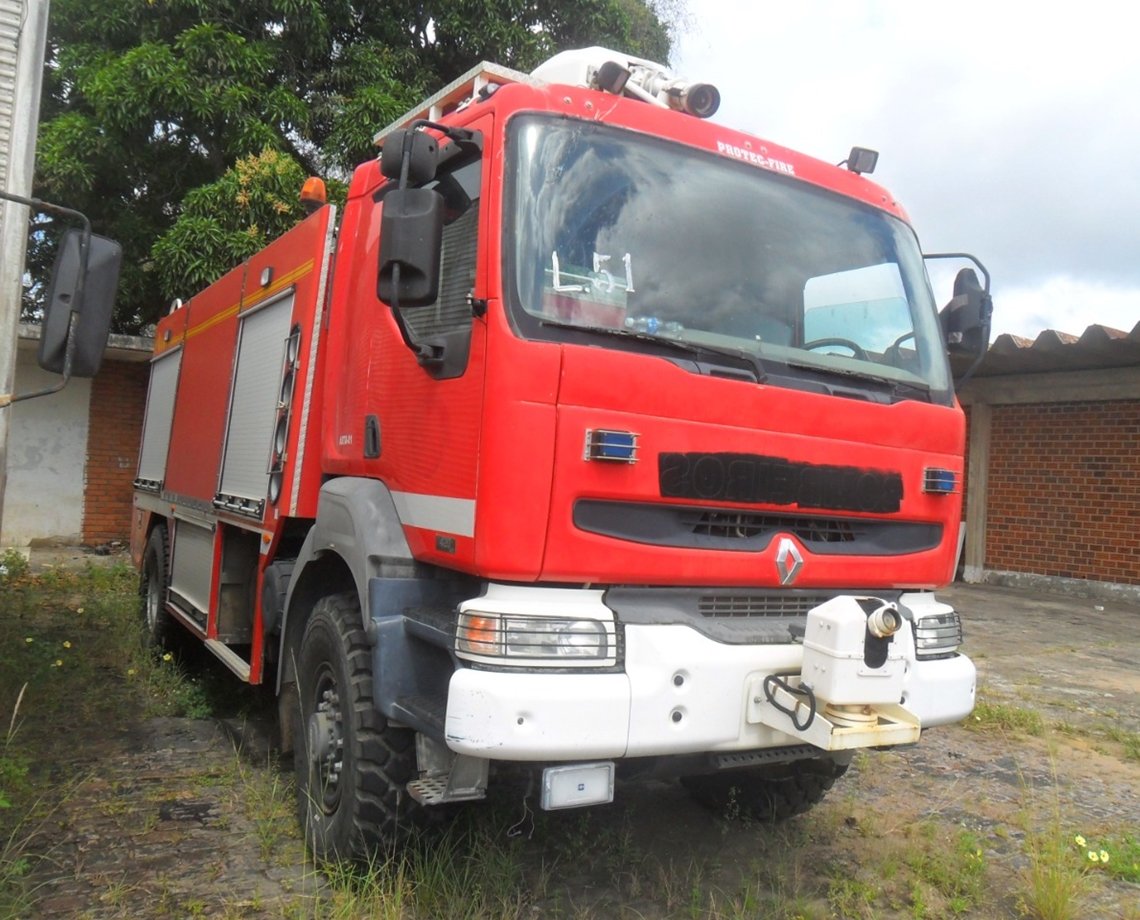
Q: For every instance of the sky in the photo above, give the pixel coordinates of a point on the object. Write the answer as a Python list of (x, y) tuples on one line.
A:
[(1008, 130)]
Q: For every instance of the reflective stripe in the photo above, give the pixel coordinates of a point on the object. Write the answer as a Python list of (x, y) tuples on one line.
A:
[(435, 512)]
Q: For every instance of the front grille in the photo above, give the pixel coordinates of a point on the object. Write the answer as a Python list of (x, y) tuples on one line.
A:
[(743, 525), (759, 605)]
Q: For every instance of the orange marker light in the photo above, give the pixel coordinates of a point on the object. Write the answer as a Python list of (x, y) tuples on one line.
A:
[(313, 194), (479, 634)]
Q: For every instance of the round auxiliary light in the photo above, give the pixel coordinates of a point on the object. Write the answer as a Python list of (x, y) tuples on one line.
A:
[(280, 437), (286, 388)]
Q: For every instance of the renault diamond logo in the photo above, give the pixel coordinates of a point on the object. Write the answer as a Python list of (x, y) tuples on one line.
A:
[(788, 561)]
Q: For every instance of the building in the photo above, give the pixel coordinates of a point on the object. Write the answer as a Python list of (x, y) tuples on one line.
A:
[(72, 456), (1053, 477)]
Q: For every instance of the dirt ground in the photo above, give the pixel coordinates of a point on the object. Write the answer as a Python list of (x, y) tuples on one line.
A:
[(182, 817)]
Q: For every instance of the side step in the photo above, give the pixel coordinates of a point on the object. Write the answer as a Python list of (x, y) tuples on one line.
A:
[(446, 776), (229, 658)]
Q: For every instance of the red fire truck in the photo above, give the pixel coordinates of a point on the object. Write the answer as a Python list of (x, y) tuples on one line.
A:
[(593, 437)]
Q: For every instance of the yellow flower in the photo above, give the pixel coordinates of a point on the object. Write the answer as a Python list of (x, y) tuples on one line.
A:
[(168, 657), (79, 610), (58, 663), (130, 672), (1081, 842), (66, 643), (1093, 857), (29, 640), (1104, 856)]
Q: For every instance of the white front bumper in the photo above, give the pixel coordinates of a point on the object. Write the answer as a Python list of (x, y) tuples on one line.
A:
[(681, 692)]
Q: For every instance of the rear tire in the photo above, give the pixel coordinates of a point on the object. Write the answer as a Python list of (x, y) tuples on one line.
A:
[(153, 583), (769, 794), (352, 767)]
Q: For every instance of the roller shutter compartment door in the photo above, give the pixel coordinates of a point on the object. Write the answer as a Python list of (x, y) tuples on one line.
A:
[(253, 405), (159, 417)]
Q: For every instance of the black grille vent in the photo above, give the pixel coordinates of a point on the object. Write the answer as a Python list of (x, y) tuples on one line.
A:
[(758, 605), (752, 531), (743, 526)]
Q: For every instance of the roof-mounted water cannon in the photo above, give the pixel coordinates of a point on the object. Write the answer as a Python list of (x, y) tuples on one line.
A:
[(621, 74)]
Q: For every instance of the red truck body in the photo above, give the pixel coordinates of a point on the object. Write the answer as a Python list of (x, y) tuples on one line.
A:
[(289, 375)]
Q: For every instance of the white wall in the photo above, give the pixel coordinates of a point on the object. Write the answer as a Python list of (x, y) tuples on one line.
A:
[(47, 454), (23, 32)]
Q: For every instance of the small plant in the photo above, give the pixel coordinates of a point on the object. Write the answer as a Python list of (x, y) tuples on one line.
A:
[(1055, 885), (955, 871), (850, 896), (1129, 740), (1115, 856), (1003, 717), (13, 568)]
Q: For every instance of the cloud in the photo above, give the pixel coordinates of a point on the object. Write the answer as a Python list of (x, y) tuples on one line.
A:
[(1011, 134)]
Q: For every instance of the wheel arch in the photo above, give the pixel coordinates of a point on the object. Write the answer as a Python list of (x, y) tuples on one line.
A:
[(356, 536)]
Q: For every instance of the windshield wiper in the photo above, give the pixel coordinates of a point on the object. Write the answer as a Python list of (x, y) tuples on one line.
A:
[(899, 389), (751, 360)]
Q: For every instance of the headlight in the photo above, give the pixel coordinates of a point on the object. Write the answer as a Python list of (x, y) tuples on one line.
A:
[(937, 636), (535, 641)]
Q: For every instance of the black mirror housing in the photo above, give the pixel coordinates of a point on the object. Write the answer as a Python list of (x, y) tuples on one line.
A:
[(411, 239), (966, 318), (421, 150), (92, 302)]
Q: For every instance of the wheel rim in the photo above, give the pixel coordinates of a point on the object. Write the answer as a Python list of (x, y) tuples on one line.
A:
[(326, 741)]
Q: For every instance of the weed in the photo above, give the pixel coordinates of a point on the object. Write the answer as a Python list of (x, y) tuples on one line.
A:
[(1128, 739), (1054, 884), (954, 869), (1005, 718), (850, 896), (13, 569), (1117, 856)]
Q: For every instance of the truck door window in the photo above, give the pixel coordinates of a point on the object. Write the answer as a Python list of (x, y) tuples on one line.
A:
[(862, 310)]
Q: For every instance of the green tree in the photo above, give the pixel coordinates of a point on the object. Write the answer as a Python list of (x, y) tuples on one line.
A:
[(147, 101)]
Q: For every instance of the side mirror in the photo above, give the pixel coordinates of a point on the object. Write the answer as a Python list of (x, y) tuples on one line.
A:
[(966, 318), (86, 291), (411, 240), (419, 148)]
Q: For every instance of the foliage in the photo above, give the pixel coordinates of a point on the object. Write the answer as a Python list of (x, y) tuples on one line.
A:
[(146, 102), (226, 221)]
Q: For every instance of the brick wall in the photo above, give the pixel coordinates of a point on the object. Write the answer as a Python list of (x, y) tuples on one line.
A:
[(118, 401), (1064, 490)]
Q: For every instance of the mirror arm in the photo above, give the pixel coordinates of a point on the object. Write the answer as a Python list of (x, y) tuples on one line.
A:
[(47, 207), (962, 255), (987, 300)]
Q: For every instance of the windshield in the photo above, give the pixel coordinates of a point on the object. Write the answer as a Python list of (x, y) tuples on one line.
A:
[(618, 233)]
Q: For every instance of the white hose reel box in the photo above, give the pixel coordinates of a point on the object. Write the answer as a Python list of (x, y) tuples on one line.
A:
[(851, 657)]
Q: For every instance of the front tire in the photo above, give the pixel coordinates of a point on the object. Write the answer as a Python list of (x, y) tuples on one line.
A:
[(769, 794), (352, 767)]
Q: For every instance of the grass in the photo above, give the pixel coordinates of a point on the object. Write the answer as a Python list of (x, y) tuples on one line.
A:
[(992, 716), (86, 665), (74, 659)]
